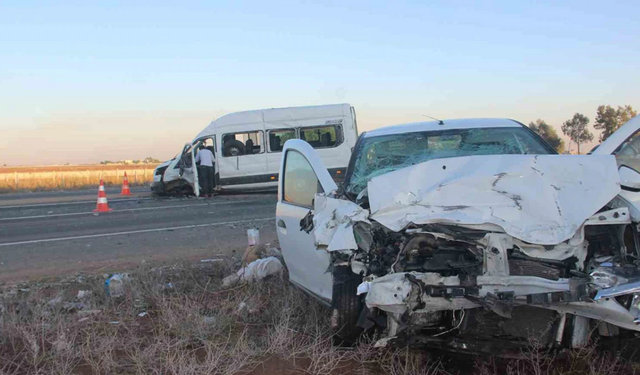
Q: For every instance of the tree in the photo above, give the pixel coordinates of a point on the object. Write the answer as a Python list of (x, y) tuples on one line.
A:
[(548, 133), (608, 119), (576, 129)]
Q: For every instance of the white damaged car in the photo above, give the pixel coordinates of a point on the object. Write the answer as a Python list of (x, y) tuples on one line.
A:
[(471, 234)]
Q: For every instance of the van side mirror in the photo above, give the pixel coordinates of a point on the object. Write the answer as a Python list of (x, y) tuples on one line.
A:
[(629, 178)]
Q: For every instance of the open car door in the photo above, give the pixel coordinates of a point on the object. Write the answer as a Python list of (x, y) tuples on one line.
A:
[(624, 143), (188, 168), (302, 175)]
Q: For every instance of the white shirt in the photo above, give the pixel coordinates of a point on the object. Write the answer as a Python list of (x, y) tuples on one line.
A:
[(205, 157)]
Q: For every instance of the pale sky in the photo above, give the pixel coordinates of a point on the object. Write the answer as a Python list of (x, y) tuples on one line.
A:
[(82, 82)]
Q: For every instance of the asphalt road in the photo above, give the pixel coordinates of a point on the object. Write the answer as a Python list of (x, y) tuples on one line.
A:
[(56, 233)]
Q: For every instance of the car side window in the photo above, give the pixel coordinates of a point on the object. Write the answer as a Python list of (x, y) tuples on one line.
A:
[(243, 143), (322, 136), (300, 183), (277, 138), (629, 153)]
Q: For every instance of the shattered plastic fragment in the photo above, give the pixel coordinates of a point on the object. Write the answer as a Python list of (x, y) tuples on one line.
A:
[(363, 288), (333, 223)]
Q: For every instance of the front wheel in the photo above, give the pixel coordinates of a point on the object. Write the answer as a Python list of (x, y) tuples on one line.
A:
[(346, 306)]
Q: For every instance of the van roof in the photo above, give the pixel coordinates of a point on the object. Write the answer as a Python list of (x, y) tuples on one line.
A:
[(279, 115), (467, 123)]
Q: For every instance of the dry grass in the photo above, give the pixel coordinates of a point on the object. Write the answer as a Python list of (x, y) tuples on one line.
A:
[(72, 177), (193, 326)]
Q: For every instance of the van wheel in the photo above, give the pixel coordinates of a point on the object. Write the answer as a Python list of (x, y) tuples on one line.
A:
[(186, 190), (345, 306), (233, 148)]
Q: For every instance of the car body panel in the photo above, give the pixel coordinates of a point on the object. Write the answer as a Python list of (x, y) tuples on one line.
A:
[(307, 265)]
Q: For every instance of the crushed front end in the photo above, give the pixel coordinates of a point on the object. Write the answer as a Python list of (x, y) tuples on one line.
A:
[(489, 272)]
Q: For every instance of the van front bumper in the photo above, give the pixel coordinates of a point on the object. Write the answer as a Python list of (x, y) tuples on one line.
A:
[(157, 187)]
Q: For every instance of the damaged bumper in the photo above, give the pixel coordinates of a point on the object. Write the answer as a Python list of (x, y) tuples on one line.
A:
[(431, 308)]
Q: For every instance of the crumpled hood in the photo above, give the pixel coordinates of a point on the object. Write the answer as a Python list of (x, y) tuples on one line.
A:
[(165, 164), (542, 199)]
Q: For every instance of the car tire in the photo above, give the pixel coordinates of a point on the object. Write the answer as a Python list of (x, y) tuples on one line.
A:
[(346, 306), (233, 148)]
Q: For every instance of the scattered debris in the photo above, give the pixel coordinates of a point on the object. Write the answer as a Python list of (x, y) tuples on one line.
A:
[(142, 314), (252, 253), (253, 236), (55, 301), (114, 285), (246, 307), (89, 312), (209, 320), (73, 306), (273, 252), (213, 260), (255, 271), (84, 294)]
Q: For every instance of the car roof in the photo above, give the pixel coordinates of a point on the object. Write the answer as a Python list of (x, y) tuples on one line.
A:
[(467, 123)]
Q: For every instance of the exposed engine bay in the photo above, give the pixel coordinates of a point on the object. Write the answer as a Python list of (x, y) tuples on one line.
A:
[(468, 282)]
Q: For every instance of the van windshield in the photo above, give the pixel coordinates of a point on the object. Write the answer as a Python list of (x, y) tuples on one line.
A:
[(383, 154)]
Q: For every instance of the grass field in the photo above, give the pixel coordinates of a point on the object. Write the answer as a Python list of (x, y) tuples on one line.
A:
[(72, 177), (180, 320)]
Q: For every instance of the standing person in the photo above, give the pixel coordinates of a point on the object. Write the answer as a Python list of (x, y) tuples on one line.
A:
[(206, 159), (216, 181)]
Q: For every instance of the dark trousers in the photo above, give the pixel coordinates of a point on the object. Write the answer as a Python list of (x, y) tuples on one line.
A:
[(206, 180)]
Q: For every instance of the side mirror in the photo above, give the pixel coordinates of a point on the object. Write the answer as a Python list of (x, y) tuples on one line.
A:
[(629, 178)]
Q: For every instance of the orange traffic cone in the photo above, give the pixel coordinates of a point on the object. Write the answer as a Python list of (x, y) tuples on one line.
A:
[(125, 185), (102, 205)]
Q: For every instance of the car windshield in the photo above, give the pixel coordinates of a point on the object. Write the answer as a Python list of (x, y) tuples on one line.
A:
[(383, 154)]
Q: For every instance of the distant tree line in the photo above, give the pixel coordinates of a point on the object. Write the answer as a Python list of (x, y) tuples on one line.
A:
[(147, 160), (608, 120)]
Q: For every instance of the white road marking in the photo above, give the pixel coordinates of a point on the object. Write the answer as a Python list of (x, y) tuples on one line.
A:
[(73, 202), (136, 231), (124, 210)]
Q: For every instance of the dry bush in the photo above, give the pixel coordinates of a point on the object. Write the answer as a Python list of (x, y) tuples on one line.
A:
[(407, 362), (191, 325), (590, 360)]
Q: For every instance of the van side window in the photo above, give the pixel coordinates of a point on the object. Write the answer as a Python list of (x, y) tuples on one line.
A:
[(277, 138), (243, 143), (322, 136), (300, 181)]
